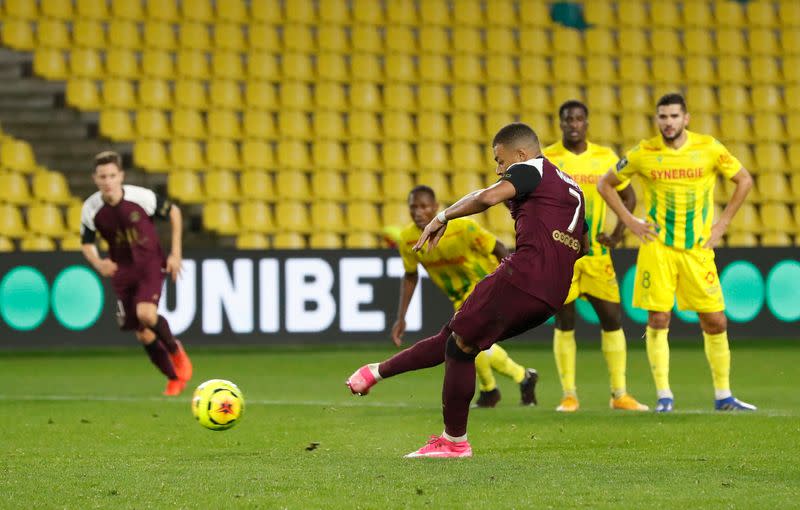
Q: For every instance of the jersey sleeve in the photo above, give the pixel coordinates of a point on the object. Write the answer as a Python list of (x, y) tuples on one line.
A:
[(725, 162), (479, 238), (88, 230), (524, 177), (163, 207), (613, 159), (626, 168)]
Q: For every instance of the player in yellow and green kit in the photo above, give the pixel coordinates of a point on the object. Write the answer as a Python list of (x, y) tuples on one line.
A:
[(463, 257), (594, 277), (676, 259)]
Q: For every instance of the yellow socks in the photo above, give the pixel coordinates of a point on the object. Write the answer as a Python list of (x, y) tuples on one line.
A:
[(658, 355), (564, 350), (483, 368), (719, 359), (502, 362), (613, 346)]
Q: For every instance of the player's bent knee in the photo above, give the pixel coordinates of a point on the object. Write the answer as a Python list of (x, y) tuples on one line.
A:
[(145, 336), (658, 320), (713, 323), (147, 315), (456, 351)]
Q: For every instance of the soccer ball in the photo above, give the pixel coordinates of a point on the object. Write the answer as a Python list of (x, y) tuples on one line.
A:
[(217, 404)]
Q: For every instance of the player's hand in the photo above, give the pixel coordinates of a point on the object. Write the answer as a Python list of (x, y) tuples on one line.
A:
[(398, 330), (107, 267), (609, 240), (432, 233), (174, 266), (642, 229), (717, 231)]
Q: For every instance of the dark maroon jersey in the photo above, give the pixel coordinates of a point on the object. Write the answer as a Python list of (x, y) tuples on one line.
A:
[(128, 226), (548, 213)]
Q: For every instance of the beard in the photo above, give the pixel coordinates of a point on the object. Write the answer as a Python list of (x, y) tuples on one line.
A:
[(674, 137)]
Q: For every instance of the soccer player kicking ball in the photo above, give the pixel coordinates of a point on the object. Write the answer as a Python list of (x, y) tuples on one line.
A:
[(594, 275), (124, 215), (678, 169), (464, 256), (526, 289)]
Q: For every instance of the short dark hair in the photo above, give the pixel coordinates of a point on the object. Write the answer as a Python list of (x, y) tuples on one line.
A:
[(422, 189), (107, 157), (672, 98), (514, 132), (572, 103)]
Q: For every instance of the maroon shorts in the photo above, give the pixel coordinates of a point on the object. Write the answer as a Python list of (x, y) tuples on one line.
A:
[(133, 285), (497, 310)]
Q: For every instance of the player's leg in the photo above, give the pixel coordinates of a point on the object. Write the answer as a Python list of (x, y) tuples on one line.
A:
[(160, 357), (489, 394), (565, 352), (526, 378), (423, 354), (718, 354), (657, 343), (612, 343)]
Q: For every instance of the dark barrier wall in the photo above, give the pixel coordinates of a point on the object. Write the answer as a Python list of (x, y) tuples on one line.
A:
[(238, 297)]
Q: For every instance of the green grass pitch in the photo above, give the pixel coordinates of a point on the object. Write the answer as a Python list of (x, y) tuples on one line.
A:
[(90, 430)]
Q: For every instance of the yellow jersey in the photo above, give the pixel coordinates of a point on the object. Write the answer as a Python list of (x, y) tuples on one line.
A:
[(586, 169), (460, 260), (679, 185)]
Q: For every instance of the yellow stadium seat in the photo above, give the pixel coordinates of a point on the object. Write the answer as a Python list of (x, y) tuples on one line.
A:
[(84, 62), (192, 64), (776, 239), (603, 99), (298, 38), (735, 98), (185, 186), (188, 123), (705, 123), (434, 12), (152, 124), (794, 186), (37, 243), (746, 220), (743, 153), (502, 69), (729, 14), (82, 94), (328, 155), (259, 124), (467, 126), (434, 69), (400, 39), (633, 41), (74, 212), (790, 41), (88, 34), (220, 217), (567, 41), (765, 69), (223, 154), (599, 41), (261, 96), (333, 12), (228, 36), (328, 185), (770, 157), (325, 241), (126, 10), (433, 40), (535, 98), (793, 125), (116, 125), (398, 126), (367, 67), (470, 156), (561, 93), (292, 216), (600, 13), (398, 12), (363, 156), (257, 154), (789, 13), (364, 126), (58, 9), (791, 68), (699, 70), (122, 63), (194, 36), (364, 185), (158, 63), (395, 212), (767, 98), (222, 185), (252, 241), (399, 97), (763, 41), (698, 41), (187, 154), (156, 94), (226, 94), (400, 68), (159, 35), (223, 124), (363, 216), (773, 187), (701, 98), (329, 125), (464, 182), (437, 181), (636, 98), (17, 155), (295, 96), (601, 69), (633, 69), (21, 9), (768, 127), (604, 127), (46, 219), (501, 41), (665, 14), (467, 13), (730, 41), (433, 155), (266, 11), (227, 65), (634, 126), (190, 94), (257, 185), (292, 185), (50, 63), (18, 34), (297, 66), (332, 66), (742, 240), (502, 98), (666, 69), (150, 155), (467, 69), (360, 240), (467, 40), (14, 188), (197, 10), (777, 218), (396, 185), (761, 14), (92, 9), (301, 11), (467, 97), (288, 241), (11, 222), (293, 154), (71, 243), (262, 37), (398, 155), (363, 96), (366, 39), (632, 13), (433, 126)]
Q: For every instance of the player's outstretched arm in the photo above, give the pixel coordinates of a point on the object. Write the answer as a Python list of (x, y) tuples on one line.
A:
[(628, 197), (744, 182), (606, 186), (175, 258), (407, 287), (472, 203)]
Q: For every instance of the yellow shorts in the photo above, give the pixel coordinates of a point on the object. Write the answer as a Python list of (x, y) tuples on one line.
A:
[(664, 273), (594, 276)]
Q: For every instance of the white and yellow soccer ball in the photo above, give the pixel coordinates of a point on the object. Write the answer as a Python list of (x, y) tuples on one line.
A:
[(218, 404)]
